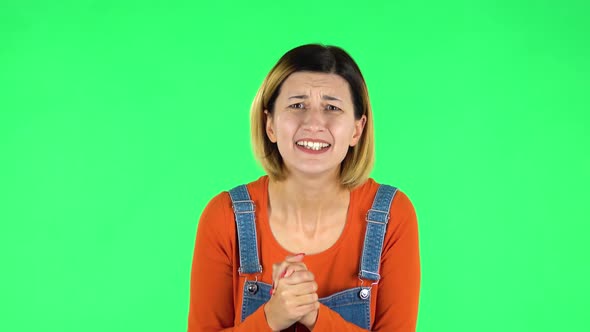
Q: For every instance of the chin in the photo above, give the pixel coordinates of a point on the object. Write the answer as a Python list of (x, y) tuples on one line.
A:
[(315, 171)]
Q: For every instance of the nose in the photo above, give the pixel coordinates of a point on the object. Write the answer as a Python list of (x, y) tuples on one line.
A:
[(314, 119)]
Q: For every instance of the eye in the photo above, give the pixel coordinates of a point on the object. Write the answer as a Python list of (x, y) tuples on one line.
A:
[(297, 106), (333, 108)]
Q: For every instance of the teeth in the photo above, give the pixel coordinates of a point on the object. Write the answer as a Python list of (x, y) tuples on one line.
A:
[(313, 145)]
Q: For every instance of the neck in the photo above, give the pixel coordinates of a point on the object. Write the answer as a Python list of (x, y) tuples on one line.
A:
[(303, 201)]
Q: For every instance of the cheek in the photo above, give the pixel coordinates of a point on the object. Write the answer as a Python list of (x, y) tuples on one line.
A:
[(343, 131), (285, 127)]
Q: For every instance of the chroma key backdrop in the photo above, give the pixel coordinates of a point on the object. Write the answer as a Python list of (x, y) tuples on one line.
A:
[(119, 120)]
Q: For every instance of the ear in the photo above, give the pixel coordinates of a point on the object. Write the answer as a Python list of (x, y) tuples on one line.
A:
[(359, 126), (270, 132)]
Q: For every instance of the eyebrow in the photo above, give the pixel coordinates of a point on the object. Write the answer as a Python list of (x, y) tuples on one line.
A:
[(324, 97)]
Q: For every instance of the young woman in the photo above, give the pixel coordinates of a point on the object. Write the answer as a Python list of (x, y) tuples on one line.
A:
[(315, 244)]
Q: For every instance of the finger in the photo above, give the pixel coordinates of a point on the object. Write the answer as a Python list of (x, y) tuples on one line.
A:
[(307, 299), (295, 258), (300, 289), (290, 290), (298, 295), (307, 308), (278, 269), (298, 277), (288, 271), (285, 269), (289, 259), (294, 267)]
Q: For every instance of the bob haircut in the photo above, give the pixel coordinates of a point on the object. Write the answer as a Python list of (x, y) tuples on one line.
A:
[(358, 162)]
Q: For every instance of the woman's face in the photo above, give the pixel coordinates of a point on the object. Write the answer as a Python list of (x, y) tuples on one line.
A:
[(313, 123)]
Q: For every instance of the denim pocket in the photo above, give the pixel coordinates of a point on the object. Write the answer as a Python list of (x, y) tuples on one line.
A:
[(354, 305), (254, 295)]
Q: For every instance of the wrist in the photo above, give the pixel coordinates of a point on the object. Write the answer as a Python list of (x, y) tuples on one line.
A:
[(268, 322), (310, 319)]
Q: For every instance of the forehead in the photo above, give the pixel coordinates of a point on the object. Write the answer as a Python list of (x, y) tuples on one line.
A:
[(304, 81)]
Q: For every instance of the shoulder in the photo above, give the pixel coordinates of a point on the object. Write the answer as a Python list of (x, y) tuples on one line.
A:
[(256, 188), (401, 236), (214, 220), (366, 192), (216, 226), (219, 209), (401, 212)]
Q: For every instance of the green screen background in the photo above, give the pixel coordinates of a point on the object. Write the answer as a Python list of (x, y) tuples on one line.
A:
[(120, 120)]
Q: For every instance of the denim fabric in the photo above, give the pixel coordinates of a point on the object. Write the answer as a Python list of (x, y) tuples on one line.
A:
[(377, 219), (244, 210), (354, 304), (349, 303), (254, 295)]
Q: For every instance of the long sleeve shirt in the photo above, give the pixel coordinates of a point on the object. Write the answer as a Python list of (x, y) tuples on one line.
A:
[(216, 286)]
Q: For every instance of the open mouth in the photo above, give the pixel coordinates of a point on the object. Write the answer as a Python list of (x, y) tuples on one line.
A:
[(315, 146)]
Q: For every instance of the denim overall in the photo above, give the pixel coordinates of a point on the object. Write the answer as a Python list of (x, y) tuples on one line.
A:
[(354, 304)]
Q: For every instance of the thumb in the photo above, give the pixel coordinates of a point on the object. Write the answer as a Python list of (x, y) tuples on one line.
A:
[(295, 258)]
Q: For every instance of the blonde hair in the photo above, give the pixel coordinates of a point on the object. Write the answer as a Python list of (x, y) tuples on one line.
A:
[(358, 162)]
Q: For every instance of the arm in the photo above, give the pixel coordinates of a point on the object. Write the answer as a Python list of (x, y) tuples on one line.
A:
[(399, 287), (212, 285)]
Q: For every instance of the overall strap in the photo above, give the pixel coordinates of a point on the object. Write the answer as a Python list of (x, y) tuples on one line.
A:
[(244, 210), (377, 219)]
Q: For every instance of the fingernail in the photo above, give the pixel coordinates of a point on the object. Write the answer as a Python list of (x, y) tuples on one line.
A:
[(272, 291), (283, 274), (300, 254)]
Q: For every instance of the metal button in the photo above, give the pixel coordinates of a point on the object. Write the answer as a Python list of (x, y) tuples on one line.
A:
[(252, 288), (364, 293)]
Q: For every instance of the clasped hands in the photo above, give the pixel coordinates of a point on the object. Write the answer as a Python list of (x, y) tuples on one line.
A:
[(294, 298)]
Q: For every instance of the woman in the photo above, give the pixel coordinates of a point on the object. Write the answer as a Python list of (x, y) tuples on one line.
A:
[(315, 244)]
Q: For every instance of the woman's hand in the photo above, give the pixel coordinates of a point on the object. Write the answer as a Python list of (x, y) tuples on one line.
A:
[(287, 267), (295, 296), (310, 319)]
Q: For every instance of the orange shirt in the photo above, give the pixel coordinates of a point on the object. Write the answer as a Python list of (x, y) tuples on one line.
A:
[(216, 286)]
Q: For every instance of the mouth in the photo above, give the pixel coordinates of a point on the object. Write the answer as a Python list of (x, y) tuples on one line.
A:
[(313, 146)]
